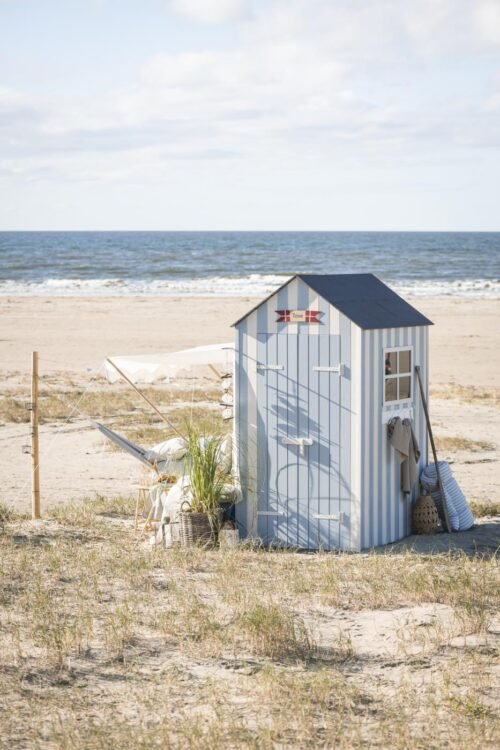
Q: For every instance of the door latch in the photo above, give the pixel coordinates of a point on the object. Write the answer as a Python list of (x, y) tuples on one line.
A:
[(301, 442), (338, 369)]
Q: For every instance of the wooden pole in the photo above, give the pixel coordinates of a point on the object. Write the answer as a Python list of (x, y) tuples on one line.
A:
[(433, 446), (142, 395), (35, 454), (214, 369)]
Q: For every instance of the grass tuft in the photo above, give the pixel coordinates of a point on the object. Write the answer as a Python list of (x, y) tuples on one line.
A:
[(86, 512), (276, 632), (468, 394), (456, 443), (485, 509)]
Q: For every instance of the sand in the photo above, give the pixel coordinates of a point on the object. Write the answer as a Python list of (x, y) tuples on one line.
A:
[(73, 335), (399, 653)]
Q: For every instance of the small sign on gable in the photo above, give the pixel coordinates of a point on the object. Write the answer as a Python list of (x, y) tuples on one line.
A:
[(298, 316)]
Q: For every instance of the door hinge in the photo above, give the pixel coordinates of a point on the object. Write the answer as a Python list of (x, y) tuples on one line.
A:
[(270, 367)]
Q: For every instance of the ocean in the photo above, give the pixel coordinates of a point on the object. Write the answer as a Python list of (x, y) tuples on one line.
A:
[(456, 264)]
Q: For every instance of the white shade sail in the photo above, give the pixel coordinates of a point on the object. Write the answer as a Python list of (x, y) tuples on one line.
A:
[(150, 368)]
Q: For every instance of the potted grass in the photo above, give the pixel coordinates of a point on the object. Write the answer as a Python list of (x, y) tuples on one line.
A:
[(200, 515)]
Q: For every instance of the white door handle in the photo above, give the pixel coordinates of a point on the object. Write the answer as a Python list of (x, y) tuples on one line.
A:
[(339, 369), (301, 442), (340, 517)]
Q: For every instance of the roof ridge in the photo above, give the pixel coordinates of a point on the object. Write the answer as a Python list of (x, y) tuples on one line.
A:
[(358, 296)]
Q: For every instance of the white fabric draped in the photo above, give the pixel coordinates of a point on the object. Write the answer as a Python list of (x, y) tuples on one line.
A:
[(150, 368)]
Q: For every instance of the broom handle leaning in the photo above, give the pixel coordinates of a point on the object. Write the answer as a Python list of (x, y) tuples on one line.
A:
[(433, 446)]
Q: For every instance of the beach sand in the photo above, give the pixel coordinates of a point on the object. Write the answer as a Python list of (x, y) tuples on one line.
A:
[(109, 641), (73, 335)]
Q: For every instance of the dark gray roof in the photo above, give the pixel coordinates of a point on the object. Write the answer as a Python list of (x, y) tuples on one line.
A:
[(363, 298)]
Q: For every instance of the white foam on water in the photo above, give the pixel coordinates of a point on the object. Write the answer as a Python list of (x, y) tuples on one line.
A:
[(255, 285), (465, 288)]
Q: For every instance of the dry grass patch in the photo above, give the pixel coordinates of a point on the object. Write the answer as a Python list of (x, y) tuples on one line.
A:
[(60, 632), (457, 443), (305, 707), (8, 515), (469, 394), (105, 643), (152, 430), (86, 512), (192, 624), (361, 581), (61, 404), (275, 632), (485, 509), (380, 581)]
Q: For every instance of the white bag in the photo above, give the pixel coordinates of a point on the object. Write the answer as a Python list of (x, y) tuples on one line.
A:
[(174, 498), (225, 455), (173, 449)]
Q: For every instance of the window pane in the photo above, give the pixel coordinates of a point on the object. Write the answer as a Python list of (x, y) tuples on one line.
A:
[(391, 389), (405, 361), (391, 363), (404, 387)]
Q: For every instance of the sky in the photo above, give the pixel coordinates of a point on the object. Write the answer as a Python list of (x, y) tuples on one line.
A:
[(250, 115)]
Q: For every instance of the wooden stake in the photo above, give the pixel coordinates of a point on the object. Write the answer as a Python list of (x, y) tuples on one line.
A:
[(431, 438), (146, 399), (35, 454), (214, 369)]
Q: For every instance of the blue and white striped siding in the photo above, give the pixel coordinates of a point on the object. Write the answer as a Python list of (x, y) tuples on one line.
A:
[(333, 414), (384, 512), (356, 380), (363, 481)]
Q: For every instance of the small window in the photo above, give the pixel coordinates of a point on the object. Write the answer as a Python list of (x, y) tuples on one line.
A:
[(397, 375)]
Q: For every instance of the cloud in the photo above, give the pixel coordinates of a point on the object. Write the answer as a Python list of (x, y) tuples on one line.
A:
[(211, 12), (487, 17), (308, 84)]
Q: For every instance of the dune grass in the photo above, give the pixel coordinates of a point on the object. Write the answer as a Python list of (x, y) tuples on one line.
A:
[(458, 443), (468, 394), (56, 404), (153, 430), (106, 642), (485, 509)]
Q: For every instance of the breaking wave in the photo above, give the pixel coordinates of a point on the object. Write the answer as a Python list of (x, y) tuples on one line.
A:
[(254, 285)]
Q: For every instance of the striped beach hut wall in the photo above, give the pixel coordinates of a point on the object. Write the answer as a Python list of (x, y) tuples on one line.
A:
[(321, 366)]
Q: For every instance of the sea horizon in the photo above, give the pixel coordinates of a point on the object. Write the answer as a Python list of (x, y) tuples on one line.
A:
[(242, 263)]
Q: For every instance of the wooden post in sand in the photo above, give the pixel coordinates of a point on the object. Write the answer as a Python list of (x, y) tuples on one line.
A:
[(35, 511)]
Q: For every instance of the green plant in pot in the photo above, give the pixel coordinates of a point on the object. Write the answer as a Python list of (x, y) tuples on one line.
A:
[(201, 514)]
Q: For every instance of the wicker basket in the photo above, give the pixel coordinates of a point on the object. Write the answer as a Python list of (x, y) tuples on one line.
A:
[(195, 529), (425, 516)]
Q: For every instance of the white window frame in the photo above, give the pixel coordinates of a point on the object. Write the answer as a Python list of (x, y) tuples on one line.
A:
[(402, 401)]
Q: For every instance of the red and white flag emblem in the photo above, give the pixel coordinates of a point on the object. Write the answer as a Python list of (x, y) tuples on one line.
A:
[(298, 316)]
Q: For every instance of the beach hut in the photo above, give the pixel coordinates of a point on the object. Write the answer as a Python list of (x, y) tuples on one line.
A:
[(321, 366)]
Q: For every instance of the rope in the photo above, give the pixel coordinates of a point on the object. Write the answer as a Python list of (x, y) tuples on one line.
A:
[(64, 364), (46, 452), (74, 407)]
